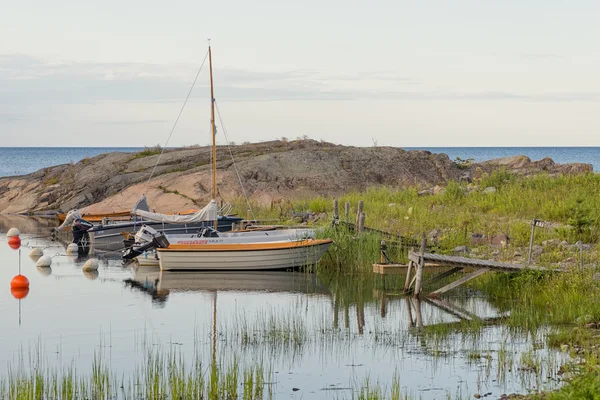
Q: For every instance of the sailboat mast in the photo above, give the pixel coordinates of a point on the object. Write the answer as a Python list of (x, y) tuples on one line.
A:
[(213, 129)]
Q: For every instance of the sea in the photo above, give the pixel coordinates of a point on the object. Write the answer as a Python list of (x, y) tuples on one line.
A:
[(24, 160)]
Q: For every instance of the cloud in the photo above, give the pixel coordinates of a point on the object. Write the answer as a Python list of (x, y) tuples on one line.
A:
[(134, 122), (26, 80), (8, 118), (541, 56)]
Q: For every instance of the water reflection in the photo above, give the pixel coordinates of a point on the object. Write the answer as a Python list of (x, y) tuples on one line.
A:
[(320, 334)]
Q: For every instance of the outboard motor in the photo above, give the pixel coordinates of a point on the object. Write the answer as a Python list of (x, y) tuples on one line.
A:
[(81, 237), (147, 238)]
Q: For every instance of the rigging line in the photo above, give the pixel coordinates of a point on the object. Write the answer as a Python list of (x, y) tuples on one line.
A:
[(178, 116), (237, 172)]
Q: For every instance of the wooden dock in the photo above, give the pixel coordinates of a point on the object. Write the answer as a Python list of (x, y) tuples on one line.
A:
[(418, 261)]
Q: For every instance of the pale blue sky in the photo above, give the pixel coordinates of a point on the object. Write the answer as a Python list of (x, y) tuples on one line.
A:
[(399, 73)]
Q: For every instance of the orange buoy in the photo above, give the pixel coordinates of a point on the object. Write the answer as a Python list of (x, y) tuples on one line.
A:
[(19, 293), (19, 282), (14, 242)]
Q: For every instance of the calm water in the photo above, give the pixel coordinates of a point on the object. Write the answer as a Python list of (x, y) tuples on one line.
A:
[(560, 155), (24, 160), (344, 337)]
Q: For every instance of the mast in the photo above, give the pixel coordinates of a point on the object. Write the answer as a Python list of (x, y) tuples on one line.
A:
[(213, 129)]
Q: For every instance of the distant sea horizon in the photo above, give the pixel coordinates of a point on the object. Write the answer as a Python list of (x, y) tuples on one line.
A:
[(15, 161)]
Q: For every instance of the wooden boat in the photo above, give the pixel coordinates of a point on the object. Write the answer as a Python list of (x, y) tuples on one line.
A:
[(242, 253), (115, 216), (144, 251), (243, 256)]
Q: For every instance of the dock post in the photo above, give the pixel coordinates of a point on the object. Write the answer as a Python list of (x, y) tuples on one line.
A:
[(382, 249), (408, 281), (581, 255), (347, 210), (336, 211), (419, 276), (531, 240), (358, 212), (361, 222)]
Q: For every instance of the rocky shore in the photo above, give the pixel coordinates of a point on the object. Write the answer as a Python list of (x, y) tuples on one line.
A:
[(269, 172)]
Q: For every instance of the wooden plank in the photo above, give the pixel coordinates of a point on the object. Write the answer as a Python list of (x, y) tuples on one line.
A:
[(443, 275), (419, 281), (389, 269), (459, 282), (466, 262), (407, 282)]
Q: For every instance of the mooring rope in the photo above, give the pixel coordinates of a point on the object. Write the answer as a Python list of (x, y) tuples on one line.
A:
[(237, 172), (177, 120)]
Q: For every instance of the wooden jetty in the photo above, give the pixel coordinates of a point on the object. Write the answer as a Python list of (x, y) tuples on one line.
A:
[(417, 261)]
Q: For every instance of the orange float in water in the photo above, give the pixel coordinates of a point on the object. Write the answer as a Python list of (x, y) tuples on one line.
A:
[(14, 242), (19, 282), (19, 293)]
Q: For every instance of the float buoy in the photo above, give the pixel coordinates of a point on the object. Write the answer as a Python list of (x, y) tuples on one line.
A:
[(72, 249), (90, 265), (12, 232), (19, 293), (36, 253), (44, 261), (44, 271), (91, 274), (19, 282), (14, 242)]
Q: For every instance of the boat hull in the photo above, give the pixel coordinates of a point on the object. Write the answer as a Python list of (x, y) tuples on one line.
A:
[(110, 237), (249, 257)]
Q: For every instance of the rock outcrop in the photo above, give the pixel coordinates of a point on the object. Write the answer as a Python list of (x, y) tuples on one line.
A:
[(268, 171)]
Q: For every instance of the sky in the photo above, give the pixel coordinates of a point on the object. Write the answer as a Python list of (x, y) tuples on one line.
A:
[(387, 73)]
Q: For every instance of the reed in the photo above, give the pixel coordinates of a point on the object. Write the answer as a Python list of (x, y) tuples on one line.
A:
[(161, 375)]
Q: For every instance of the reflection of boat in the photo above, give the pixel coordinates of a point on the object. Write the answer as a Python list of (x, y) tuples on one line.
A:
[(271, 281)]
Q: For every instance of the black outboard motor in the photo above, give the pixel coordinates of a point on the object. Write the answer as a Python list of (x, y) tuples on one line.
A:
[(81, 237), (159, 240)]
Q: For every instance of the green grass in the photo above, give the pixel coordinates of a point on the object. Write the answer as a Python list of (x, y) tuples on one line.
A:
[(148, 151), (464, 209)]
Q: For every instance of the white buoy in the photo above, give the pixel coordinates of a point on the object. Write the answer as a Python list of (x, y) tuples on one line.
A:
[(12, 232), (44, 271), (36, 253), (91, 275), (90, 265), (44, 261), (72, 249)]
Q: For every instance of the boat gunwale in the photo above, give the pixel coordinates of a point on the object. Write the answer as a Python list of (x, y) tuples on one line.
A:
[(284, 245)]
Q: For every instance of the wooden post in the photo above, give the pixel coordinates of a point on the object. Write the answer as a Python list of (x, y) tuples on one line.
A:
[(418, 315), (382, 249), (336, 211), (361, 222), (531, 241), (419, 276), (407, 281), (411, 323), (248, 216), (358, 212), (347, 210), (581, 254)]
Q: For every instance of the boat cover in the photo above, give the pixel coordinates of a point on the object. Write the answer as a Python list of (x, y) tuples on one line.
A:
[(70, 217), (208, 213)]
